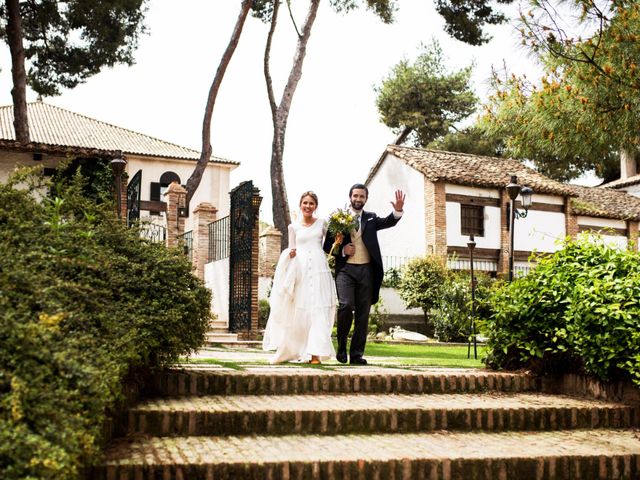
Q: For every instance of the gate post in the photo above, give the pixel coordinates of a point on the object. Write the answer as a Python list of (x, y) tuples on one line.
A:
[(203, 215), (256, 200), (176, 197)]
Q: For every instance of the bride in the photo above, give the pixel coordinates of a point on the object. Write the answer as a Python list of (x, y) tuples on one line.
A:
[(303, 294)]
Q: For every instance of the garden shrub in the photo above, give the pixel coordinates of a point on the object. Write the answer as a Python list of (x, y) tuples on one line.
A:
[(577, 311), (451, 313), (84, 302), (421, 282)]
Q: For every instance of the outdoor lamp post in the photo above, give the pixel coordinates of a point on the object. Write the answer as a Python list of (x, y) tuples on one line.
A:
[(117, 166), (472, 244), (526, 193)]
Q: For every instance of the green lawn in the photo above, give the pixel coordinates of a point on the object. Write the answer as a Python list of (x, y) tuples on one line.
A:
[(381, 354), (426, 354)]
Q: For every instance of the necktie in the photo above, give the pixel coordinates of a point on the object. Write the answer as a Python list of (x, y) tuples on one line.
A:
[(357, 222)]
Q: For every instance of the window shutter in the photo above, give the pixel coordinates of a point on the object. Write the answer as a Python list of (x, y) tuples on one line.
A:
[(155, 191)]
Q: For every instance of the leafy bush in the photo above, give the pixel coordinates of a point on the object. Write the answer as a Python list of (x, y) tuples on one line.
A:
[(378, 317), (391, 278), (263, 313), (421, 281), (451, 314), (577, 311), (84, 303)]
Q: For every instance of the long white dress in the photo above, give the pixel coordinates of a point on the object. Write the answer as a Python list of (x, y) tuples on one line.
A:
[(302, 300)]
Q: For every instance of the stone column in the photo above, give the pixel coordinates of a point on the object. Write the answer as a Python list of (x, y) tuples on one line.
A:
[(203, 215), (269, 251), (175, 196)]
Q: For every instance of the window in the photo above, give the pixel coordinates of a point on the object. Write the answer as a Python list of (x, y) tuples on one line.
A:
[(472, 220)]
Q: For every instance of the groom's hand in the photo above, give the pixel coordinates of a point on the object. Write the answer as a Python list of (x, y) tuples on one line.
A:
[(398, 205), (349, 249)]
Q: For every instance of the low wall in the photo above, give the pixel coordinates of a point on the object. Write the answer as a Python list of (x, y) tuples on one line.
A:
[(590, 387)]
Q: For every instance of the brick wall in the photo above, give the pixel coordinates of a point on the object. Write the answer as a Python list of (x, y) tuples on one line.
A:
[(435, 218), (174, 196), (571, 220), (503, 257), (632, 234), (203, 215)]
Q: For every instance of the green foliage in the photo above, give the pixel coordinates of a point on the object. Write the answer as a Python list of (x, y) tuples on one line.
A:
[(85, 302), (263, 313), (451, 314), (378, 317), (421, 282), (585, 108), (392, 278), (577, 311), (67, 42), (425, 97), (464, 19), (470, 140)]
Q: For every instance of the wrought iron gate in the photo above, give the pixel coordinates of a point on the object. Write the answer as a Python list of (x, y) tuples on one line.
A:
[(245, 203), (133, 198)]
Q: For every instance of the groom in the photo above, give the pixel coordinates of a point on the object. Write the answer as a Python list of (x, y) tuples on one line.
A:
[(359, 272)]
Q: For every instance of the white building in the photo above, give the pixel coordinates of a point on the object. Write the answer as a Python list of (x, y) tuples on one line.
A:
[(58, 134), (453, 195)]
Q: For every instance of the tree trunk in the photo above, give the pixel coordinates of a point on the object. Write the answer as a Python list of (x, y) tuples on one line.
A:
[(628, 163), (280, 116), (19, 90), (205, 155)]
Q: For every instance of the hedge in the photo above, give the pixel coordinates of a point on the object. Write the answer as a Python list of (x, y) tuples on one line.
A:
[(578, 311), (85, 303)]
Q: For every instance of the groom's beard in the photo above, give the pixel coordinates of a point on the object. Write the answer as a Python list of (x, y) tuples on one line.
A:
[(357, 205)]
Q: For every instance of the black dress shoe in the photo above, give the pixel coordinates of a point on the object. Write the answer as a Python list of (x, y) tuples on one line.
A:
[(341, 357), (358, 361)]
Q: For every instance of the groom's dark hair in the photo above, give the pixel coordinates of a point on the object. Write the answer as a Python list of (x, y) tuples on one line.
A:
[(361, 187)]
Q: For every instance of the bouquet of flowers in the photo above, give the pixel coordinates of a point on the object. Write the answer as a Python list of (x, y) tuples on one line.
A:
[(340, 223)]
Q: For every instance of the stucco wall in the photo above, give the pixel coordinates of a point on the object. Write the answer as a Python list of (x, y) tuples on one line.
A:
[(491, 238), (618, 240), (406, 239), (214, 186)]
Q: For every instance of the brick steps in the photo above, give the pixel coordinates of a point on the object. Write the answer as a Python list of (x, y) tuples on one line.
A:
[(348, 380), (369, 423), (342, 414), (558, 455)]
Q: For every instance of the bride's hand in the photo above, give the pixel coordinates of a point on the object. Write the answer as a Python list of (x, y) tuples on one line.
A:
[(292, 253), (339, 237)]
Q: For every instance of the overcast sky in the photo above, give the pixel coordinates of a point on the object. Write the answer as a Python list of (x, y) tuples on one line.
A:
[(334, 135)]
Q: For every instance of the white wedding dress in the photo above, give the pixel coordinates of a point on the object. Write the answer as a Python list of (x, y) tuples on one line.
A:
[(303, 299)]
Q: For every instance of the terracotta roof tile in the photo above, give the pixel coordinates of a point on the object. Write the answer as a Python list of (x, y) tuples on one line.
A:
[(605, 202), (56, 127), (472, 170), (623, 182)]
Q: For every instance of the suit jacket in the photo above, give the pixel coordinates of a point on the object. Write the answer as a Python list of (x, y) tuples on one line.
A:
[(370, 224)]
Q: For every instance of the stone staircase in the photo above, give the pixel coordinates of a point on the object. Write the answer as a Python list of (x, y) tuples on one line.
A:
[(369, 423)]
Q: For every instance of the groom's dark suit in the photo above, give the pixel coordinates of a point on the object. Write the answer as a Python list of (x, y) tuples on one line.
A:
[(358, 285)]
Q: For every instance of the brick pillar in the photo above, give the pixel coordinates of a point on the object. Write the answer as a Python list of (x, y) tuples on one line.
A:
[(570, 219), (632, 235), (203, 215), (175, 196), (123, 196), (269, 251), (503, 257), (255, 254), (435, 218)]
